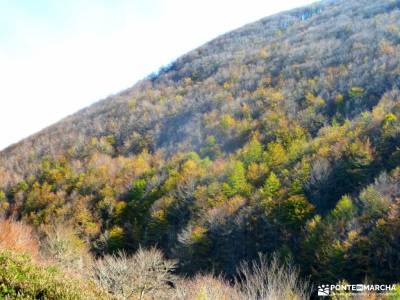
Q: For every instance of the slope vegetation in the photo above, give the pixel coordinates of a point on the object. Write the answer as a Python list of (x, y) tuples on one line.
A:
[(282, 136)]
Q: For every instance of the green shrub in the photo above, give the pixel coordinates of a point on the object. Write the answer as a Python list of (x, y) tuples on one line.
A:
[(20, 278)]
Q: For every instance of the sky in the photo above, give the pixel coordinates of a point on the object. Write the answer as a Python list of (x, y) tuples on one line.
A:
[(57, 57)]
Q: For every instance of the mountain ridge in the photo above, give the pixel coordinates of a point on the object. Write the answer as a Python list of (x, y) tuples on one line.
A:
[(280, 137), (30, 139)]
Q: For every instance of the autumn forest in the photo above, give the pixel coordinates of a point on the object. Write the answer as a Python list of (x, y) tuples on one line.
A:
[(278, 142)]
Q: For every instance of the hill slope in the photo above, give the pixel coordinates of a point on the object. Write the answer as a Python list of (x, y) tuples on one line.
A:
[(280, 136), (339, 45)]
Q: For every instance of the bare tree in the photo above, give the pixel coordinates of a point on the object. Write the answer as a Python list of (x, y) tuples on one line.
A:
[(206, 287), (263, 280), (144, 273)]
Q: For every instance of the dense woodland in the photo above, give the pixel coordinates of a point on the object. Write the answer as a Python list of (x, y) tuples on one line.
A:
[(281, 138)]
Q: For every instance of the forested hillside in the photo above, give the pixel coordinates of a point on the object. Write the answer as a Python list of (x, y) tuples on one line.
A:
[(280, 137)]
